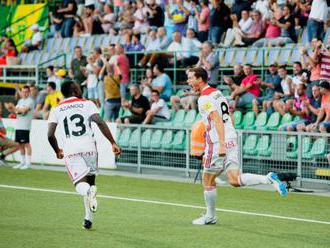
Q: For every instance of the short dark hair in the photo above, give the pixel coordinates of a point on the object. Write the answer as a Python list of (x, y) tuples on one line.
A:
[(155, 91), (199, 72), (50, 67), (98, 50), (297, 63), (249, 65), (26, 87), (137, 35), (160, 67), (67, 89), (282, 67), (52, 85), (79, 47)]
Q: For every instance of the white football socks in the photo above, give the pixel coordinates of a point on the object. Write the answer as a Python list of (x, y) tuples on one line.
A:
[(28, 159), (82, 188), (22, 158), (210, 198), (247, 179)]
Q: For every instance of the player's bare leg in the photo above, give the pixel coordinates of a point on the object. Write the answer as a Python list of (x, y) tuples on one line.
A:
[(22, 160), (210, 195), (236, 179), (28, 154)]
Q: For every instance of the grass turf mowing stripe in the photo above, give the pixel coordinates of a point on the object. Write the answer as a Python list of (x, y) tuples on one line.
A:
[(168, 204)]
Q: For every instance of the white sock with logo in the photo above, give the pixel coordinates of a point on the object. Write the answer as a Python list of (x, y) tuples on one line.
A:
[(83, 188), (210, 198), (247, 179)]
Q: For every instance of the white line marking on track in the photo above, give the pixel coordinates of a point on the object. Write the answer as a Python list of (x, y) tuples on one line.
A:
[(168, 204)]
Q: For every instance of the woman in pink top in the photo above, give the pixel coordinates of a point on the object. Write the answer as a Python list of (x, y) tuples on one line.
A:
[(203, 19)]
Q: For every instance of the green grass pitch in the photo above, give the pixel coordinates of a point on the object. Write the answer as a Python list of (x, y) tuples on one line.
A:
[(46, 219)]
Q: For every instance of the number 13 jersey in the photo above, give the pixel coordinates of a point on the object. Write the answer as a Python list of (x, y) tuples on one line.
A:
[(211, 100), (73, 117)]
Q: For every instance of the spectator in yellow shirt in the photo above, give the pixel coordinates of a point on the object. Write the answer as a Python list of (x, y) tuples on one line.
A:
[(53, 98)]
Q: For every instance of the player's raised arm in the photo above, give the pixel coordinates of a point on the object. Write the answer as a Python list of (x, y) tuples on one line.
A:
[(214, 115), (53, 141), (106, 132)]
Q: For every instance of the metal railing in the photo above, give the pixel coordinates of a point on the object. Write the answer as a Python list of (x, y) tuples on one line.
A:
[(306, 154), (27, 73)]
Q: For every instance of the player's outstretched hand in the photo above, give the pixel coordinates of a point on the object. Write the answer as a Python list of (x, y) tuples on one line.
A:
[(60, 154), (116, 149)]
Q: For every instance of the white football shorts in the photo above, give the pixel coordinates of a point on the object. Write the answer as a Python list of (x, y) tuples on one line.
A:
[(81, 164)]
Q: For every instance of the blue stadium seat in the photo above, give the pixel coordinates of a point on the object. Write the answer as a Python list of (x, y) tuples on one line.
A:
[(296, 56), (88, 46), (239, 58), (81, 42), (105, 41), (304, 37), (50, 44), (221, 53), (250, 56), (44, 57), (229, 57), (272, 56), (261, 58), (22, 57), (36, 58), (98, 40), (73, 43), (65, 45), (285, 54), (57, 45)]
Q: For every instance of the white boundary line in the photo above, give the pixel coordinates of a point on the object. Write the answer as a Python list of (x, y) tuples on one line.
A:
[(168, 204)]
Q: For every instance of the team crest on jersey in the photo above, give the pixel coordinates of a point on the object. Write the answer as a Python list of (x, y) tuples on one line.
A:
[(207, 106)]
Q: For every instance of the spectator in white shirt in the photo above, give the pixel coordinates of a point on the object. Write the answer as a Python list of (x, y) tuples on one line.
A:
[(159, 112), (242, 26), (51, 77), (316, 19), (191, 46), (35, 42)]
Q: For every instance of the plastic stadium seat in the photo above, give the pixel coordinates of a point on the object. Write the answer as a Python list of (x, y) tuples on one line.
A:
[(250, 144), (239, 58), (146, 138), (263, 147), (190, 118), (167, 139), (124, 112), (57, 45), (68, 60), (296, 56), (198, 117), (261, 58), (273, 121), (44, 57), (250, 56), (134, 139), (318, 149), (50, 44), (178, 118), (65, 45), (248, 120), (229, 57), (124, 137), (88, 46), (304, 37), (292, 146), (238, 117), (29, 59), (98, 40), (156, 138), (287, 118), (59, 62), (36, 58), (221, 53), (22, 57), (261, 121), (272, 56), (81, 41), (285, 54), (179, 141), (73, 43), (105, 41)]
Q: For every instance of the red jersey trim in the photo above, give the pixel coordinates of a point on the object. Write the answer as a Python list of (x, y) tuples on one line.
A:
[(208, 91), (72, 100)]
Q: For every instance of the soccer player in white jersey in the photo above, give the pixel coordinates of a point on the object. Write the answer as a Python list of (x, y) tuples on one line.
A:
[(221, 151), (74, 116)]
